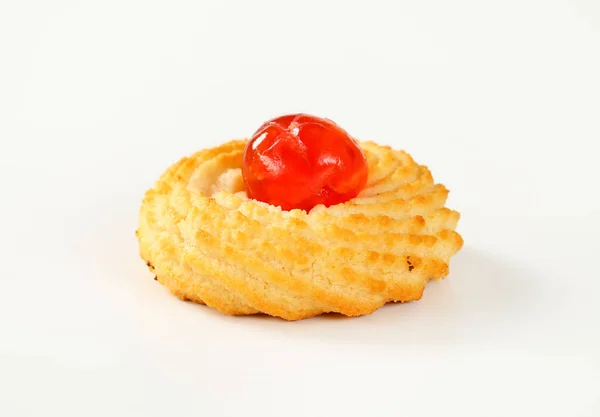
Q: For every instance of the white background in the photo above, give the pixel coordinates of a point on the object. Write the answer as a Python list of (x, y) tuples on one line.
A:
[(500, 99)]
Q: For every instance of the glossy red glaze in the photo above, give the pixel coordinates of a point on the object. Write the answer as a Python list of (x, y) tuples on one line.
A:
[(299, 161)]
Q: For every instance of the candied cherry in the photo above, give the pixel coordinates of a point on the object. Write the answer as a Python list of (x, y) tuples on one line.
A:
[(298, 161)]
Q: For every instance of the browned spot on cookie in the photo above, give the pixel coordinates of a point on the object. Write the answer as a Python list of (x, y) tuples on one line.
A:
[(410, 265)]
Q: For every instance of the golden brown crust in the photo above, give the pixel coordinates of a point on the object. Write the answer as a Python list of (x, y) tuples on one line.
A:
[(208, 243)]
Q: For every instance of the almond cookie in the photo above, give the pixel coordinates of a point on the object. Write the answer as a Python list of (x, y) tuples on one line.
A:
[(208, 242)]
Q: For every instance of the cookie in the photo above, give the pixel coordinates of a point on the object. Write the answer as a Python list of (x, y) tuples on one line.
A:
[(207, 242)]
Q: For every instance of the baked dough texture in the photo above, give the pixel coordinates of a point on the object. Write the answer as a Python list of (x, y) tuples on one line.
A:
[(208, 243)]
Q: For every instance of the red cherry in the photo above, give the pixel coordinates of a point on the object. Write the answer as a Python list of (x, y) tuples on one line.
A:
[(298, 161)]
